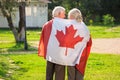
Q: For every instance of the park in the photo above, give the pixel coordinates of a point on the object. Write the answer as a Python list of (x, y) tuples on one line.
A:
[(20, 63)]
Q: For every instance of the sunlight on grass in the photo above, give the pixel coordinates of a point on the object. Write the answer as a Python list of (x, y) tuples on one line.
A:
[(7, 42), (4, 66), (104, 32), (28, 66), (97, 31), (32, 67), (103, 67)]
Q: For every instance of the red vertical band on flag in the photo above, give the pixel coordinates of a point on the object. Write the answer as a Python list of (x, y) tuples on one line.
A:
[(84, 57), (46, 31)]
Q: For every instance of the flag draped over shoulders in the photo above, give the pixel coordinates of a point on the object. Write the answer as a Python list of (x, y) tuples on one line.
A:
[(65, 42)]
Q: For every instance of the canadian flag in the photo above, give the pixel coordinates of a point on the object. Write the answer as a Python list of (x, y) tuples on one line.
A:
[(63, 41)]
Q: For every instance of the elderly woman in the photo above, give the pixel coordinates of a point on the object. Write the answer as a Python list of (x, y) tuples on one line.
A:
[(77, 72)]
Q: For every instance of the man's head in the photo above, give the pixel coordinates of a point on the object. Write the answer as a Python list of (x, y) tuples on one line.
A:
[(58, 12)]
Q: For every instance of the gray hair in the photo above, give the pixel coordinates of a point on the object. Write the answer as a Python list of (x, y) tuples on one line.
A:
[(76, 14), (56, 11)]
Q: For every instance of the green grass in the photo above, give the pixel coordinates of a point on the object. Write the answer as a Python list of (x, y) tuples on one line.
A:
[(32, 67), (12, 46), (32, 34), (4, 66), (96, 32), (103, 67), (7, 42), (105, 32), (28, 66)]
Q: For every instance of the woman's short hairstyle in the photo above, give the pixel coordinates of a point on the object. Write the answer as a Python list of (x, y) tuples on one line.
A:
[(57, 10), (76, 14)]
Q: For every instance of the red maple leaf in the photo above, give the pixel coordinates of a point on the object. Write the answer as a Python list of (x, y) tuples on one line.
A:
[(68, 40)]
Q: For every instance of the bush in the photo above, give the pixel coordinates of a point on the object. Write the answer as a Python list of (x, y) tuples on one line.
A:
[(90, 22), (97, 18), (108, 20)]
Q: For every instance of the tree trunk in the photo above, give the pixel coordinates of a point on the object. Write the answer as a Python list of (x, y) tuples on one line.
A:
[(8, 16), (22, 24), (21, 30), (20, 35), (14, 31)]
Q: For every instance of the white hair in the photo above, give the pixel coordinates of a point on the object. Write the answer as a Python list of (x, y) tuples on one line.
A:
[(76, 14), (56, 11)]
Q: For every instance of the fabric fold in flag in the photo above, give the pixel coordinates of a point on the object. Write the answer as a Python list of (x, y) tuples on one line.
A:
[(66, 42)]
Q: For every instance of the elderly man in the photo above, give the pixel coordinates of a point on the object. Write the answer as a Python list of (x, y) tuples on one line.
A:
[(59, 70)]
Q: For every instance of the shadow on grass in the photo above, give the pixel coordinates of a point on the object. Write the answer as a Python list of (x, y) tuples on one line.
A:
[(16, 47), (19, 70), (9, 68), (3, 69)]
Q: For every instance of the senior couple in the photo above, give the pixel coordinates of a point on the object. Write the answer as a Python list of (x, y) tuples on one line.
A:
[(65, 43)]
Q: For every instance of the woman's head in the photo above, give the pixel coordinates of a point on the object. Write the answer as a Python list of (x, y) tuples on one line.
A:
[(75, 14)]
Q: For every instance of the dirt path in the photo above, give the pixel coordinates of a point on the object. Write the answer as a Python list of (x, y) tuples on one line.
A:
[(111, 46), (106, 46)]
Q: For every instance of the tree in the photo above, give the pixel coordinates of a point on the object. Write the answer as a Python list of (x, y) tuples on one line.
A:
[(51, 7), (7, 8), (111, 7), (91, 9)]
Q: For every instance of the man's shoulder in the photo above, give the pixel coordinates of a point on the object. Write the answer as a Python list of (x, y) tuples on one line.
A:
[(48, 23)]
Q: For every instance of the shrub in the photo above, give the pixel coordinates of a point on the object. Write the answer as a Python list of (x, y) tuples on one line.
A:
[(97, 18), (90, 22), (108, 20)]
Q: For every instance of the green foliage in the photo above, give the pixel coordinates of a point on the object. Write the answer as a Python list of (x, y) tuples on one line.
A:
[(90, 7), (90, 22), (97, 18), (108, 20), (8, 6)]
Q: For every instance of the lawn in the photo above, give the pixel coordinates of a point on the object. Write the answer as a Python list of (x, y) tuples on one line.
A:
[(105, 31), (96, 32), (33, 35), (17, 64), (31, 67)]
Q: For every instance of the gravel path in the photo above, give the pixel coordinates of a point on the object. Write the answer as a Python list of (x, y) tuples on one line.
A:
[(106, 46)]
